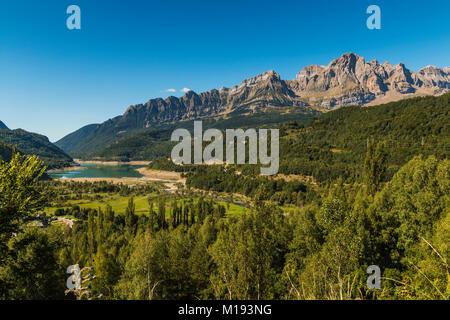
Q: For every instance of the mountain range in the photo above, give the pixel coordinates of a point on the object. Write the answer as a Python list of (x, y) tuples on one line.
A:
[(143, 131), (347, 80)]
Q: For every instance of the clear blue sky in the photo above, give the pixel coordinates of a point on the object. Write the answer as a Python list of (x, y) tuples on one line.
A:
[(54, 80)]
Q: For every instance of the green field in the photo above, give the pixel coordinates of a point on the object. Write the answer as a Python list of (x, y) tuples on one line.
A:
[(120, 203)]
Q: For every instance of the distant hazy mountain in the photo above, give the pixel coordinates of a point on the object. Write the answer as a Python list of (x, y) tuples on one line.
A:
[(3, 126), (33, 143), (69, 142), (348, 80)]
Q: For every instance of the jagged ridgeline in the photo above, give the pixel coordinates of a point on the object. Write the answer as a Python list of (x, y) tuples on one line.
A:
[(330, 145), (34, 144), (258, 100)]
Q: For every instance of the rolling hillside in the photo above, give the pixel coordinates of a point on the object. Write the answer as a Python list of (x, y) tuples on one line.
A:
[(33, 143), (70, 142)]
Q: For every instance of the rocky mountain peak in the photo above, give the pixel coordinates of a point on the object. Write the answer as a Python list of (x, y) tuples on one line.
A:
[(432, 76), (310, 71), (252, 82), (349, 79), (347, 61)]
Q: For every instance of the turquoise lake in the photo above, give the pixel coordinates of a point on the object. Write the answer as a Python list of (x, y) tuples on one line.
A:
[(88, 170)]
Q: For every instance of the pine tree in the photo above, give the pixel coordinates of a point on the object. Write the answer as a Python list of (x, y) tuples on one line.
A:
[(375, 167), (130, 218), (153, 216), (161, 214)]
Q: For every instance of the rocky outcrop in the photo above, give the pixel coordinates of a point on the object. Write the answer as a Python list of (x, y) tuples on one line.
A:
[(432, 77)]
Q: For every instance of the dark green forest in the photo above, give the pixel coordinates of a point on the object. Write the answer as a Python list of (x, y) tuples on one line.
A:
[(6, 152), (333, 145), (36, 144)]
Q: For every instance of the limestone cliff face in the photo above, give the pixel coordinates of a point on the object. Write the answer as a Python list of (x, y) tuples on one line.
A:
[(432, 77), (264, 90), (351, 80)]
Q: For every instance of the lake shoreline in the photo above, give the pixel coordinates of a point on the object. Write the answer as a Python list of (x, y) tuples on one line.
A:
[(113, 163), (169, 178), (66, 169), (98, 171)]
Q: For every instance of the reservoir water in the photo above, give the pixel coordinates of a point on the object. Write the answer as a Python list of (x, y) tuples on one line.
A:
[(89, 170)]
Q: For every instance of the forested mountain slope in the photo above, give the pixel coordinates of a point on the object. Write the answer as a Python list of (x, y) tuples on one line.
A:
[(334, 144), (69, 142), (36, 144)]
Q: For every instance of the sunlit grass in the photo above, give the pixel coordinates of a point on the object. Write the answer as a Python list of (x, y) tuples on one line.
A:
[(120, 203)]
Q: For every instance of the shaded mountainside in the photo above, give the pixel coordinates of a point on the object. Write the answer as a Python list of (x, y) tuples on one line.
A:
[(69, 142), (348, 80), (3, 126), (150, 143), (36, 144)]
